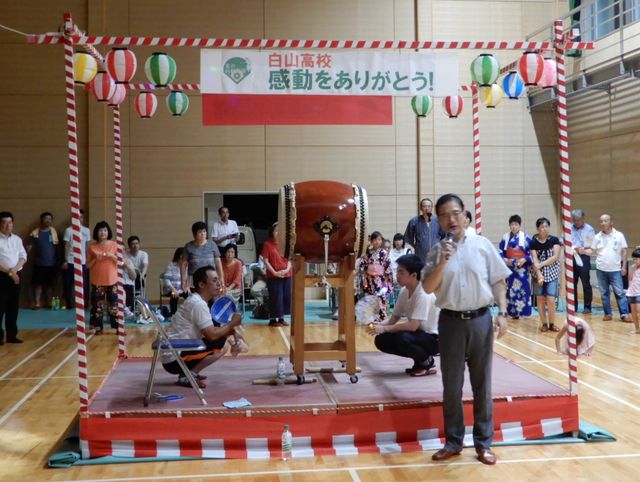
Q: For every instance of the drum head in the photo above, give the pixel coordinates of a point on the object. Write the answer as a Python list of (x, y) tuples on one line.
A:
[(223, 309), (367, 309)]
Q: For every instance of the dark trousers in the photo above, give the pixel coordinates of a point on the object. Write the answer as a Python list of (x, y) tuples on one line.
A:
[(417, 345), (68, 285), (9, 303), (129, 298), (472, 339), (279, 297), (582, 273)]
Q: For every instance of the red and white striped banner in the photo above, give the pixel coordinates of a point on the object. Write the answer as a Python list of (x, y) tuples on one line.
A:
[(117, 171), (149, 86), (74, 199), (477, 190), (565, 201), (53, 38)]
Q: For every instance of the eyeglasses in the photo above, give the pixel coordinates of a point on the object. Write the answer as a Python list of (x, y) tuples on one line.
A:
[(451, 215)]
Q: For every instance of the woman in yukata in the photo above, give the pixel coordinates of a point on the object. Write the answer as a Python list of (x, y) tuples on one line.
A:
[(515, 251)]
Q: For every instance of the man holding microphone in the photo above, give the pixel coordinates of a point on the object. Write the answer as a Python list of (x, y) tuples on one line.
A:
[(467, 276)]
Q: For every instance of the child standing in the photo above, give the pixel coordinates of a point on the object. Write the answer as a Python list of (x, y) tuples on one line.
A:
[(398, 249), (633, 293), (376, 274)]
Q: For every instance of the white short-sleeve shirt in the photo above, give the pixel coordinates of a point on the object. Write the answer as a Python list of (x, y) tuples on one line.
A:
[(419, 306), (608, 249), (192, 317), (85, 236)]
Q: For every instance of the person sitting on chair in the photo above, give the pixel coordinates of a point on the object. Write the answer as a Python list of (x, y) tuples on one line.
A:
[(417, 338), (193, 320), (171, 281)]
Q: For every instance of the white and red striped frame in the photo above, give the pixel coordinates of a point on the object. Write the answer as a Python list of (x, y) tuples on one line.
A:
[(72, 36)]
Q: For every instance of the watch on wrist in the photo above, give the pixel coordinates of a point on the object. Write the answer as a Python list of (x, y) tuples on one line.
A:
[(502, 313)]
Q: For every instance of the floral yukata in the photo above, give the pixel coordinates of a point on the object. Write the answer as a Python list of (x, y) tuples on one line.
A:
[(377, 278), (513, 248)]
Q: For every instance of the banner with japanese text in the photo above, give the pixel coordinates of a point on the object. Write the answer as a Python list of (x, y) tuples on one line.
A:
[(245, 87), (361, 72)]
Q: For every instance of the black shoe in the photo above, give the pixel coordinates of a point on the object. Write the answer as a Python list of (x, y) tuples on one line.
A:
[(14, 340)]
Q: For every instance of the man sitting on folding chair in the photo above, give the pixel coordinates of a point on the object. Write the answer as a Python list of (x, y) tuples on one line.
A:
[(193, 320)]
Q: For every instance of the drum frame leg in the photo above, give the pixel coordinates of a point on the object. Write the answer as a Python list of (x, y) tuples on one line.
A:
[(344, 348)]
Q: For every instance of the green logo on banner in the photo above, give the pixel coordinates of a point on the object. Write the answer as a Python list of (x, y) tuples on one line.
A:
[(237, 69)]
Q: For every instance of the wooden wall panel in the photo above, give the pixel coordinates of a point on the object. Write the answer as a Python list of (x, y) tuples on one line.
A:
[(190, 171), (625, 165), (406, 170), (586, 119), (382, 212), (39, 16), (370, 167), (104, 209), (502, 126), (198, 18), (453, 131), (591, 166), (537, 206), (163, 222), (454, 18), (28, 171), (100, 171), (501, 170), (39, 120), (336, 135), (331, 19), (406, 208), (454, 170), (496, 210), (541, 172)]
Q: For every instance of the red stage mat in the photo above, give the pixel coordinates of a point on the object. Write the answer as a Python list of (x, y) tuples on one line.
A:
[(386, 411)]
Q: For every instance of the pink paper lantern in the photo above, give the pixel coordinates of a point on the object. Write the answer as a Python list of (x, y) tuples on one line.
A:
[(531, 66), (452, 105), (119, 95), (103, 86), (121, 64), (549, 75), (146, 104)]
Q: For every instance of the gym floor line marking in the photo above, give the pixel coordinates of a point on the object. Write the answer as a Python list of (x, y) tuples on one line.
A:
[(354, 475), (59, 377), (564, 374), (580, 361), (284, 338), (24, 399), (25, 360), (431, 465)]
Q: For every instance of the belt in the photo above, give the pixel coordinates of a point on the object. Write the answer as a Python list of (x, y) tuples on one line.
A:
[(468, 314)]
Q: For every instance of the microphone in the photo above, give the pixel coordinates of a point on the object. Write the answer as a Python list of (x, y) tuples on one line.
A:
[(450, 236)]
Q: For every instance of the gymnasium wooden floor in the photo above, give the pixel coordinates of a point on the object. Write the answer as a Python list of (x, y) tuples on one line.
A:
[(39, 393)]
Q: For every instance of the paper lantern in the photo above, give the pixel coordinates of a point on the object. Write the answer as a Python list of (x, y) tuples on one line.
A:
[(177, 102), (146, 104), (118, 96), (485, 69), (160, 69), (491, 95), (549, 74), (513, 85), (530, 66), (85, 68), (422, 105), (452, 105), (121, 64), (103, 86)]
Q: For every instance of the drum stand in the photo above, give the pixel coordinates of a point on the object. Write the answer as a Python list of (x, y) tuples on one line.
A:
[(344, 348)]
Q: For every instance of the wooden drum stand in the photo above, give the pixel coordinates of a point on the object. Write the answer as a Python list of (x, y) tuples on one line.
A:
[(344, 348)]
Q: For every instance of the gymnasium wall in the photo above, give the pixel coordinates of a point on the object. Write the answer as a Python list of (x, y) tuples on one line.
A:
[(169, 162)]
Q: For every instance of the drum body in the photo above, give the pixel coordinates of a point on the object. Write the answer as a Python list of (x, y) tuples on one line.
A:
[(312, 209)]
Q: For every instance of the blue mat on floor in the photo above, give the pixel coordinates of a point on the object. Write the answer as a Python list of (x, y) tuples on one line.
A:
[(46, 318), (68, 453)]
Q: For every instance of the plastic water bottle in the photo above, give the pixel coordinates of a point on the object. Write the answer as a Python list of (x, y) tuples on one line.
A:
[(280, 373), (55, 303), (287, 441)]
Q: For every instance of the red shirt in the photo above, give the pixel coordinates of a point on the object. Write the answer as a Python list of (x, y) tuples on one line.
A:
[(271, 253)]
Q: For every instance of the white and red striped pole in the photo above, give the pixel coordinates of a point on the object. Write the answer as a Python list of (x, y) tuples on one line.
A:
[(565, 201), (117, 175), (475, 104), (74, 199)]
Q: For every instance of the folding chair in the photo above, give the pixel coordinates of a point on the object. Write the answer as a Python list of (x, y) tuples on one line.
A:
[(163, 342)]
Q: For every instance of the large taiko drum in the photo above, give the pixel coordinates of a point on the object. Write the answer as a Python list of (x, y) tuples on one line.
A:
[(312, 209)]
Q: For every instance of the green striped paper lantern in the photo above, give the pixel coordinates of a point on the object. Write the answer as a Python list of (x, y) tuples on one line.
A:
[(177, 102), (422, 105), (485, 70), (160, 69)]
